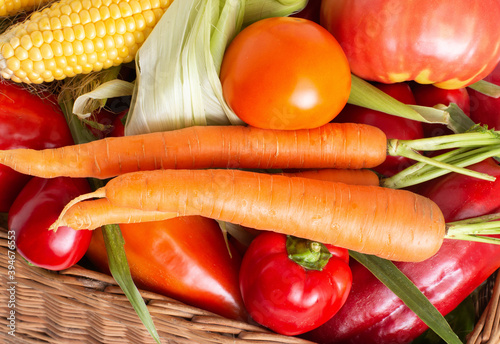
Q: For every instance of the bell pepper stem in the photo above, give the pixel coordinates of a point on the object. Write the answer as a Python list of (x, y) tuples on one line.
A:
[(309, 254)]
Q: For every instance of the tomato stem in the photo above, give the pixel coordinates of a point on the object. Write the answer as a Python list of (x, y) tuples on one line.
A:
[(311, 255)]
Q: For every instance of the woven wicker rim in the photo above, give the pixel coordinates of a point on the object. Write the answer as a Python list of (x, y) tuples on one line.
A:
[(78, 305)]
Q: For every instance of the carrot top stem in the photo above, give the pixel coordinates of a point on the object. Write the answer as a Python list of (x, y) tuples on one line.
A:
[(458, 158), (478, 229), (400, 148)]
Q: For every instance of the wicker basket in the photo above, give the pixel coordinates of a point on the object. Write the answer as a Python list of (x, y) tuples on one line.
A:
[(83, 306)]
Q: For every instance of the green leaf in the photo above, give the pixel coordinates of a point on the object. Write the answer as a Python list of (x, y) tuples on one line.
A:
[(120, 270), (113, 238), (396, 281)]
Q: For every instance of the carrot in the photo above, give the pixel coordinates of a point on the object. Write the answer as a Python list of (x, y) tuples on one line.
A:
[(335, 145), (103, 212), (393, 224), (354, 177)]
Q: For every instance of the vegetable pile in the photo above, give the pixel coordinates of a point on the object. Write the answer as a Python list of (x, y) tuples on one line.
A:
[(326, 169)]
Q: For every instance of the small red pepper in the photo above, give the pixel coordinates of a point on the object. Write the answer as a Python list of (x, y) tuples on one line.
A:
[(27, 120), (293, 285), (373, 314), (35, 208)]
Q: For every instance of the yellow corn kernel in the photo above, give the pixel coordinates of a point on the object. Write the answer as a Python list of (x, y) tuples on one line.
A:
[(76, 36), (11, 7)]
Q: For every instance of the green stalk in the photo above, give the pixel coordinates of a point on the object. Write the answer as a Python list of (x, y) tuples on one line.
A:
[(113, 239), (478, 137), (422, 171), (487, 88), (396, 148), (366, 95)]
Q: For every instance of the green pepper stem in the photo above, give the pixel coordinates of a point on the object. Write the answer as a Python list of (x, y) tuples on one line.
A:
[(309, 254)]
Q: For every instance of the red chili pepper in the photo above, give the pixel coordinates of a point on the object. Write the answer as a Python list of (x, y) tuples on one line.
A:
[(36, 207), (394, 127), (27, 121), (185, 258), (373, 314), (292, 285)]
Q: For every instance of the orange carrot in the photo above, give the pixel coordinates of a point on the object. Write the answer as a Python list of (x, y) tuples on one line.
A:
[(393, 224), (335, 145), (103, 212), (354, 177)]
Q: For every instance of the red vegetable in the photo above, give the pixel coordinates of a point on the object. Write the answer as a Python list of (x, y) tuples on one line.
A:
[(293, 285), (449, 43), (430, 95), (394, 127), (33, 211), (285, 73), (373, 314), (485, 109), (26, 121), (185, 258)]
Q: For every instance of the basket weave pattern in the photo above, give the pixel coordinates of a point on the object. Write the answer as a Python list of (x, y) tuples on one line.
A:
[(82, 306)]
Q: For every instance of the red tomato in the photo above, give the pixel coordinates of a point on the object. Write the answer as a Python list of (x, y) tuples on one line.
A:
[(293, 285), (485, 109), (36, 207), (394, 127), (430, 95), (185, 258), (449, 43), (285, 73), (27, 121)]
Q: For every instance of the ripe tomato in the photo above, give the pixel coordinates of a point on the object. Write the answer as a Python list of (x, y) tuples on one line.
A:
[(448, 43), (285, 73)]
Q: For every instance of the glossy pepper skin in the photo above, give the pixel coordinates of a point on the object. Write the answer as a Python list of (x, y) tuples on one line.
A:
[(27, 121), (35, 208), (285, 296), (185, 258), (373, 314)]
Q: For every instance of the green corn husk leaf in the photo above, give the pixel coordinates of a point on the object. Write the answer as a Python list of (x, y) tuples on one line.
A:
[(96, 99), (178, 66)]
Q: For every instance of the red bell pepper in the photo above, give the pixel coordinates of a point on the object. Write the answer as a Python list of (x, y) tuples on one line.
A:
[(292, 285), (394, 127), (374, 314), (35, 208), (27, 120), (185, 258)]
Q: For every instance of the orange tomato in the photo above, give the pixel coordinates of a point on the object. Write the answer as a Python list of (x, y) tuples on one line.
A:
[(285, 73)]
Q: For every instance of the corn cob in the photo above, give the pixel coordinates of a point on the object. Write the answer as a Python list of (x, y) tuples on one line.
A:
[(11, 7), (74, 37)]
